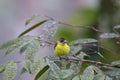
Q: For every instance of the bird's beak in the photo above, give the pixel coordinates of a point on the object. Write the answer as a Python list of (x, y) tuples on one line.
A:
[(65, 41)]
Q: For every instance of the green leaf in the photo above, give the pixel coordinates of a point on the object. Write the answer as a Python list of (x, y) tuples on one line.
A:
[(41, 72), (7, 44), (113, 72), (116, 63), (97, 70), (75, 49), (23, 71), (32, 49), (83, 41), (67, 74), (33, 27), (10, 71), (31, 18), (26, 65), (76, 78), (76, 45), (88, 74), (75, 67), (82, 55), (53, 67), (117, 27), (22, 50), (19, 43), (108, 78), (2, 67), (99, 77), (37, 66), (109, 35)]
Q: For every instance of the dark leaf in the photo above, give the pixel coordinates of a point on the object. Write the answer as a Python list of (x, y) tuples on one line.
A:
[(24, 48), (7, 44), (33, 27), (23, 71), (41, 72), (2, 67)]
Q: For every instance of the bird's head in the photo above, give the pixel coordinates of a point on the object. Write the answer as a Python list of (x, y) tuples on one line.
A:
[(62, 40)]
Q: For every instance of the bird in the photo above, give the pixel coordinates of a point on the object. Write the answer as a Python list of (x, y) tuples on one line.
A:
[(61, 47)]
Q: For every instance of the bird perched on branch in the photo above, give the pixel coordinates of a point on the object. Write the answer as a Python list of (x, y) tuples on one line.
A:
[(61, 48)]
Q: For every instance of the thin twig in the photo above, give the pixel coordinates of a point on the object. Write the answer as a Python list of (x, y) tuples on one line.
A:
[(87, 27)]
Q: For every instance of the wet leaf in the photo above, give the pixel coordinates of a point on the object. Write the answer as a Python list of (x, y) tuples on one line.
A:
[(76, 78), (99, 77), (67, 74), (83, 41), (117, 27), (116, 63), (37, 65), (26, 65), (32, 49), (20, 43), (10, 71), (88, 74), (109, 35)]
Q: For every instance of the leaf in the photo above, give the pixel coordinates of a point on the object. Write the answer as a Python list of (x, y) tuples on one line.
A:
[(32, 49), (109, 35), (37, 66), (67, 74), (108, 78), (26, 65), (116, 63), (76, 78), (41, 72), (97, 70), (33, 27), (22, 50), (19, 43), (53, 67), (114, 72), (76, 45), (82, 55), (31, 18), (88, 74), (23, 71), (99, 77), (83, 41), (2, 67), (10, 71), (75, 49), (117, 27), (7, 44), (75, 67)]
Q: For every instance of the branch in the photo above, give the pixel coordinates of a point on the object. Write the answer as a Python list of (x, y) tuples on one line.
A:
[(73, 59), (87, 27)]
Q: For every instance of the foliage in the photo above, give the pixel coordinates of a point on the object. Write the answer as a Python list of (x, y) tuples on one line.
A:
[(73, 67)]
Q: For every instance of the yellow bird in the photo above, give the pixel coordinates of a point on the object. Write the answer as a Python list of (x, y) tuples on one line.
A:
[(62, 48)]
